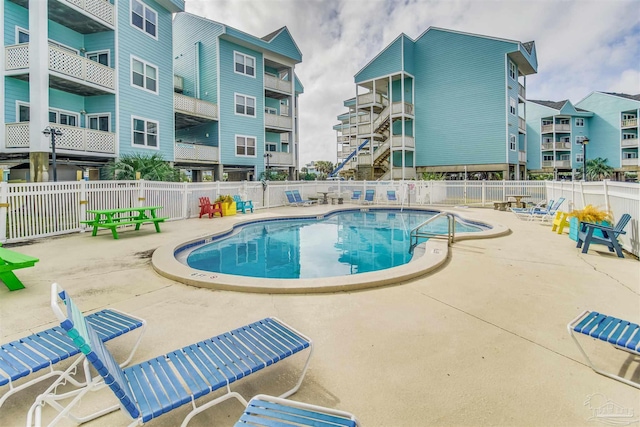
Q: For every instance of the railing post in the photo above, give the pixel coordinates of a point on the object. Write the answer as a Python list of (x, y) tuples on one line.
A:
[(141, 198), (484, 195), (4, 205), (582, 194), (185, 200), (83, 205), (605, 190)]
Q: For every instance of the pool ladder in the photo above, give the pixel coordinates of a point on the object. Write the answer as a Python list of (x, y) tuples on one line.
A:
[(415, 234)]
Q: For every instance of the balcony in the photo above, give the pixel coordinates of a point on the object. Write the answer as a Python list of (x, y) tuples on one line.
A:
[(73, 138), (372, 99), (71, 72), (276, 122), (556, 164), (277, 87), (558, 127), (522, 156), (279, 158), (195, 152), (402, 107), (556, 146), (193, 111), (522, 93), (74, 13), (409, 141), (522, 125), (631, 162), (629, 123), (631, 142)]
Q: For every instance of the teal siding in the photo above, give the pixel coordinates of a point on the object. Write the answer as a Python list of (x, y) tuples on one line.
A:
[(605, 130), (101, 104), (396, 90), (387, 62), (298, 86), (137, 102), (14, 90), (14, 16), (461, 99), (188, 30), (65, 36), (232, 124), (66, 101), (102, 41), (198, 134), (535, 113), (285, 45), (408, 55)]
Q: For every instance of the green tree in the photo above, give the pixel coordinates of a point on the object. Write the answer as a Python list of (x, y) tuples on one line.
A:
[(598, 169), (430, 176), (151, 167), (324, 167)]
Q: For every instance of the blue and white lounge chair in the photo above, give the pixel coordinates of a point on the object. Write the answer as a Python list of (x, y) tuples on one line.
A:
[(149, 389), (41, 351), (523, 213), (369, 196), (621, 334), (543, 214), (300, 201), (243, 205), (355, 197), (271, 411), (609, 237), (391, 196)]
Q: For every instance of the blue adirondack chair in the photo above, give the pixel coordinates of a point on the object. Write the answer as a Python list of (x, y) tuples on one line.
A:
[(609, 235), (243, 205)]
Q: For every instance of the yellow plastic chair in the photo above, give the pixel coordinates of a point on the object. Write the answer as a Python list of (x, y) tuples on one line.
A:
[(560, 221)]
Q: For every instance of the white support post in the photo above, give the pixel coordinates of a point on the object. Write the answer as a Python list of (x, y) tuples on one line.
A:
[(4, 205), (83, 205), (605, 190), (484, 190), (185, 200), (141, 198)]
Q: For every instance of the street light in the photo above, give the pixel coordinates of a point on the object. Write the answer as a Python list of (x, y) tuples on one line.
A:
[(268, 156), (53, 132), (584, 143)]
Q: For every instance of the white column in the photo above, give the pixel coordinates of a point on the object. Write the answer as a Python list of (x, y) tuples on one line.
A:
[(38, 75)]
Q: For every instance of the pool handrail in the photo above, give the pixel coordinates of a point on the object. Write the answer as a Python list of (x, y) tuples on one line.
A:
[(415, 232)]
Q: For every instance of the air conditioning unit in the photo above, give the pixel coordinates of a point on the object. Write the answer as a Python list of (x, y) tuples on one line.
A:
[(178, 84)]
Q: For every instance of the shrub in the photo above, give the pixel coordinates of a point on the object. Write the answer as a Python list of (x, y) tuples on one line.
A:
[(591, 213)]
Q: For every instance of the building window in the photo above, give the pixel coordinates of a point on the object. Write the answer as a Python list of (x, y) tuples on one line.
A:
[(629, 136), (144, 132), (144, 18), (579, 139), (270, 147), (546, 122), (270, 110), (512, 70), (579, 158), (547, 157), (101, 57), (562, 121), (512, 106), (547, 140), (628, 116), (22, 35), (564, 157), (579, 122), (62, 118), (144, 75), (629, 155), (245, 145), (244, 64), (23, 112), (245, 105), (565, 139), (512, 142), (98, 122)]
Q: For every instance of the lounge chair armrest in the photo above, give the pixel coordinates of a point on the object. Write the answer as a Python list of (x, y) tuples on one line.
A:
[(600, 227)]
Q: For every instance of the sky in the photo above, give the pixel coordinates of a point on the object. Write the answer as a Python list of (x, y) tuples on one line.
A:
[(582, 46)]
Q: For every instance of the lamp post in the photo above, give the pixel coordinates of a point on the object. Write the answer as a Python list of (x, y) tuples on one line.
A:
[(268, 156), (53, 132), (584, 143)]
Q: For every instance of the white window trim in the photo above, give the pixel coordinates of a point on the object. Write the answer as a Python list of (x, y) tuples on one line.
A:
[(271, 144), (630, 135), (513, 103), (245, 147), (157, 147), (512, 65), (20, 30), (271, 110), (255, 64), (581, 120), (579, 138), (89, 116), (98, 52), (21, 104), (579, 158), (629, 155), (68, 113), (547, 157), (513, 142), (145, 63), (255, 105), (144, 7)]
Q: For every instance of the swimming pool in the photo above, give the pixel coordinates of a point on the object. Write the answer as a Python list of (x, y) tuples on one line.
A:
[(339, 244)]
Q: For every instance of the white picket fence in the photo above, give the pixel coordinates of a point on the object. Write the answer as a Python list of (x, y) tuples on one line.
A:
[(35, 210)]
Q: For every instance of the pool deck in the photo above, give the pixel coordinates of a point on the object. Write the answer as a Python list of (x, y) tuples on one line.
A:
[(480, 341)]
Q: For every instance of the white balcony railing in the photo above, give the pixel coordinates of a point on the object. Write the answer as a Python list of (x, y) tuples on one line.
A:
[(546, 128), (631, 142), (63, 62), (561, 127), (276, 121), (631, 162), (187, 151), (556, 163), (397, 108), (522, 156), (72, 138), (279, 158), (100, 9), (275, 83), (195, 107), (629, 123), (371, 98), (409, 141)]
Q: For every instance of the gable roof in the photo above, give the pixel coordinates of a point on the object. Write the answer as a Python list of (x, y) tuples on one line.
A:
[(556, 105), (528, 46), (624, 95)]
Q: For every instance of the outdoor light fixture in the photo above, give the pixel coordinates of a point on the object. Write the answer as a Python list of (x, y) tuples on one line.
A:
[(53, 132), (267, 156), (584, 143)]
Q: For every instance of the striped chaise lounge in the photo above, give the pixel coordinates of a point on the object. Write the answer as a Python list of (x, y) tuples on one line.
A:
[(149, 389), (621, 334), (42, 350)]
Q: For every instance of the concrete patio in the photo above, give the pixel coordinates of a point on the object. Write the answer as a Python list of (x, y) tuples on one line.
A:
[(481, 341)]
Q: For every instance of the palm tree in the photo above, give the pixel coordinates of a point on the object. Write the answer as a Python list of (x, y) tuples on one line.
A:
[(323, 166), (152, 168), (598, 169)]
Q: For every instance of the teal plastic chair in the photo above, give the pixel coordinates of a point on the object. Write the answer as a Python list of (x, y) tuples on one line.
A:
[(243, 205)]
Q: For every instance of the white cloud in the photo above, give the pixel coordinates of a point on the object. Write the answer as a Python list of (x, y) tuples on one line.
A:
[(582, 46)]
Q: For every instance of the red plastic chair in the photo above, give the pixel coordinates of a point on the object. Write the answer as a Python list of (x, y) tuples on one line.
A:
[(208, 208)]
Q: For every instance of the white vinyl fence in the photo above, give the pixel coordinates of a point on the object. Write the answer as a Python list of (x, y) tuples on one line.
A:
[(34, 210)]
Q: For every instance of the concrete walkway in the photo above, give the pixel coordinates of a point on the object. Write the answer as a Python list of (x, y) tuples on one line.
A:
[(482, 341)]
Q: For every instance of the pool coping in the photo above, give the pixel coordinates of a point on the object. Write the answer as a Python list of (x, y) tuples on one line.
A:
[(428, 257)]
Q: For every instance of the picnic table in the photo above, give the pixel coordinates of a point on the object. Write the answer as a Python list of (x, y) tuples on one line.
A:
[(11, 260), (112, 218), (518, 198)]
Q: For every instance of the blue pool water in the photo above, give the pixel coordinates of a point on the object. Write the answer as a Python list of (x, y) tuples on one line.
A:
[(344, 243)]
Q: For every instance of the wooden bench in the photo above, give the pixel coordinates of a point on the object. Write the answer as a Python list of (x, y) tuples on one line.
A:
[(111, 218), (9, 261)]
